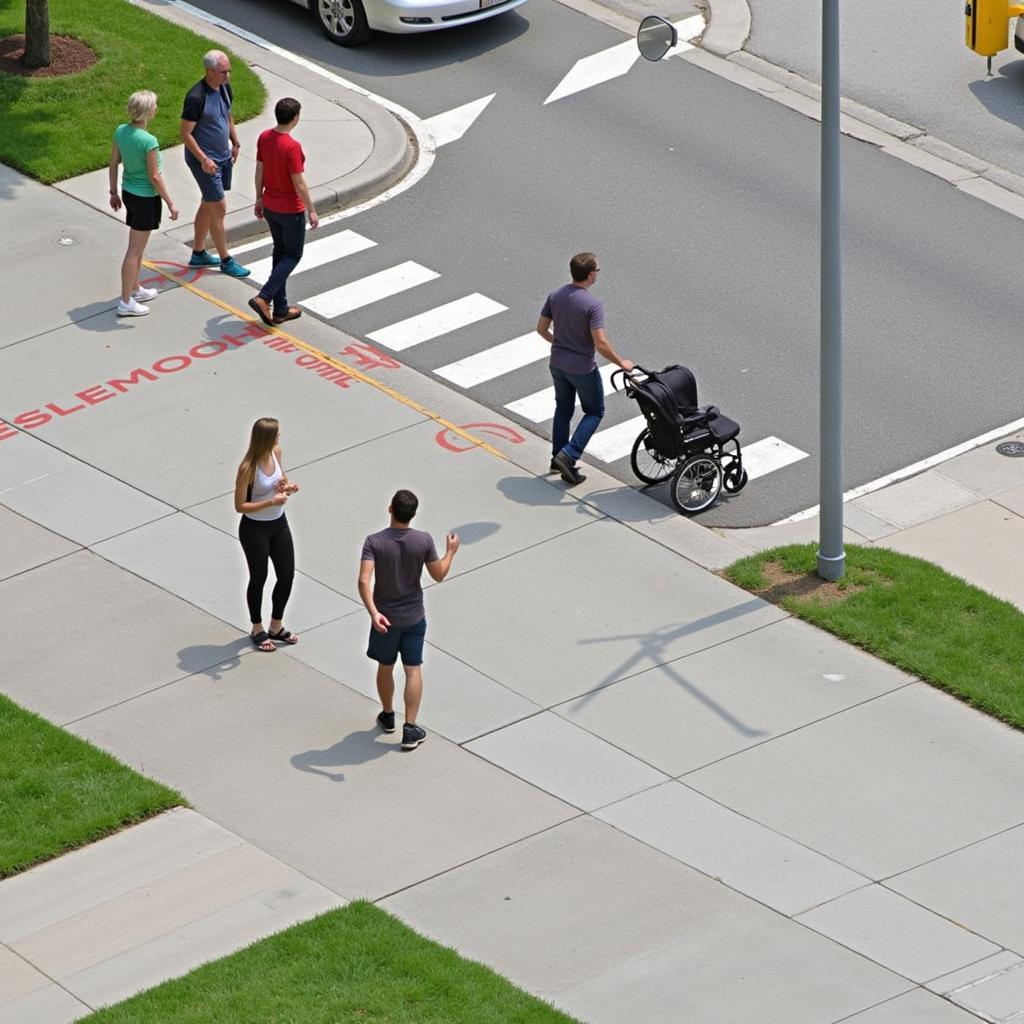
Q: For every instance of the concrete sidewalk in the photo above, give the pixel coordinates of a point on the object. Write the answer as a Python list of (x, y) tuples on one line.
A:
[(646, 795)]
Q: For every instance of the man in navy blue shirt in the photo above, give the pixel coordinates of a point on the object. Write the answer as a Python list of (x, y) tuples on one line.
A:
[(211, 149), (572, 322)]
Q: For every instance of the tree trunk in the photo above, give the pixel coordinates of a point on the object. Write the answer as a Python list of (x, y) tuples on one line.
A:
[(37, 34)]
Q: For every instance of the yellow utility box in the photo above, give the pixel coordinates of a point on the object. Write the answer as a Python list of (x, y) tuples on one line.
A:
[(988, 26)]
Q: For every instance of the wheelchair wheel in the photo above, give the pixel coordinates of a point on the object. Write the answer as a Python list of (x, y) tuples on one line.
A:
[(696, 484), (734, 479), (647, 464)]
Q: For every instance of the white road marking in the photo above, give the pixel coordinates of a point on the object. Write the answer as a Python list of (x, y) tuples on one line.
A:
[(435, 322), (616, 442), (373, 288), (540, 405), (317, 252), (453, 124), (913, 470), (769, 454), (617, 60), (493, 362)]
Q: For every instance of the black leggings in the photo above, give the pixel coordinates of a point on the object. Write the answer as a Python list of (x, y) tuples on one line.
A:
[(264, 539)]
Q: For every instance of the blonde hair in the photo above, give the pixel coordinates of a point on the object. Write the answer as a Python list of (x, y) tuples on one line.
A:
[(141, 105), (262, 442)]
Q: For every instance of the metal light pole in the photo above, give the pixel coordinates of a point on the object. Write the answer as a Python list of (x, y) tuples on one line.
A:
[(831, 556)]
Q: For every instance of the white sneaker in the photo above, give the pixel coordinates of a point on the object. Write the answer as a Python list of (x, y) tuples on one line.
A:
[(145, 294), (131, 308)]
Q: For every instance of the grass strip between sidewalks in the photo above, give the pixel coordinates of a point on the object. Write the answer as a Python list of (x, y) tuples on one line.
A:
[(55, 128), (357, 964), (908, 612), (58, 792)]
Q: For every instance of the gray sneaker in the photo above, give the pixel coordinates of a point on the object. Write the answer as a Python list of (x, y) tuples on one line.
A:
[(412, 736), (570, 474), (233, 268)]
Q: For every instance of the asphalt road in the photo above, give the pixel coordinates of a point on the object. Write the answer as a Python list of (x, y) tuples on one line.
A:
[(907, 60), (701, 199)]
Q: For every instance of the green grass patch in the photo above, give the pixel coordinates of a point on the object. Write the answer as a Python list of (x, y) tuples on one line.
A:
[(55, 128), (357, 964), (58, 792), (909, 612)]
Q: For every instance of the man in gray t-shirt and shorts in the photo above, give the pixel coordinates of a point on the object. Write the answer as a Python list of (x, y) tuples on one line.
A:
[(393, 559)]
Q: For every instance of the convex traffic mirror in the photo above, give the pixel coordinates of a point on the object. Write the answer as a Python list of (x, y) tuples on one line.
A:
[(655, 37)]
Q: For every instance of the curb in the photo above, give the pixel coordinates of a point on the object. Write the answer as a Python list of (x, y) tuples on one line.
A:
[(396, 144), (728, 26)]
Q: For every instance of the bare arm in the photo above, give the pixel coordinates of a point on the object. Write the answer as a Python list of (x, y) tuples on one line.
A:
[(258, 185), (299, 181), (233, 135), (153, 170), (544, 329), (604, 346), (439, 569), (380, 622), (115, 160)]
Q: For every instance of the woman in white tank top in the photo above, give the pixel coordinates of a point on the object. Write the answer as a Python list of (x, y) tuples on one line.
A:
[(261, 491)]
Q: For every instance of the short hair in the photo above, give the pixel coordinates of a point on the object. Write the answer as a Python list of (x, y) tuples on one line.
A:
[(212, 57), (287, 110), (404, 505), (582, 265), (141, 105)]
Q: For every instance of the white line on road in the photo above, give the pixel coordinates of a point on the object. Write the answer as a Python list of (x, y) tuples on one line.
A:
[(435, 322), (381, 285), (616, 442), (617, 60), (769, 454), (453, 124), (316, 253), (493, 362), (540, 405), (913, 470)]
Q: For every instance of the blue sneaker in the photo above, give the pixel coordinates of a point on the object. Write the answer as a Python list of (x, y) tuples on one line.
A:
[(233, 268), (203, 259)]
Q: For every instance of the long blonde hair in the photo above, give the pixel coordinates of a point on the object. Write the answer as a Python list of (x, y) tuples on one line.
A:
[(262, 442)]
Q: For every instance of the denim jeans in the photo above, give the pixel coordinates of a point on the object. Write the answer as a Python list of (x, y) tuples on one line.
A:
[(288, 230), (590, 389)]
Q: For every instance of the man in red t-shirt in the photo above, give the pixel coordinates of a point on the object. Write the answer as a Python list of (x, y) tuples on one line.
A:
[(282, 197)]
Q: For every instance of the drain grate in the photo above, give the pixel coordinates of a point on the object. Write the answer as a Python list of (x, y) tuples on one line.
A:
[(1012, 449)]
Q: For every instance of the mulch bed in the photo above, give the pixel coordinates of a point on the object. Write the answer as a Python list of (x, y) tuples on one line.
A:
[(68, 57)]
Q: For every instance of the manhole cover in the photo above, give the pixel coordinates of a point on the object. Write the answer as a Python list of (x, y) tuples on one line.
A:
[(1014, 449)]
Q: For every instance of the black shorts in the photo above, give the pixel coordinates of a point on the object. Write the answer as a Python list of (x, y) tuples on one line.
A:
[(143, 212)]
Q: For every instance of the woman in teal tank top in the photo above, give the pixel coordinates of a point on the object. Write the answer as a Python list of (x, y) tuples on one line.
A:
[(142, 189)]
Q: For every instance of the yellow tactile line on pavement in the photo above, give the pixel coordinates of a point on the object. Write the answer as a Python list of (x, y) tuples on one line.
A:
[(336, 363)]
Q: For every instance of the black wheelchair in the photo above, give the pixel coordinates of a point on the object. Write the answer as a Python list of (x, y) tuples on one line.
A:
[(694, 445)]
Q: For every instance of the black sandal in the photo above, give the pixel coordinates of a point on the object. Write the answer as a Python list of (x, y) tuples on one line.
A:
[(283, 637), (260, 639)]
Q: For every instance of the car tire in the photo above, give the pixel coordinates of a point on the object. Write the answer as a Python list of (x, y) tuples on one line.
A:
[(342, 21)]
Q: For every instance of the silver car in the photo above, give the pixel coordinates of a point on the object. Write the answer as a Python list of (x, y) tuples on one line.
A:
[(350, 22)]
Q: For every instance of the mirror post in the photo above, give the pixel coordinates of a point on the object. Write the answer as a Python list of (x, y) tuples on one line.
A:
[(831, 555)]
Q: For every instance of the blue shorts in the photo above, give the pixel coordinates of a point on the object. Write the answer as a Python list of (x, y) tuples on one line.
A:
[(404, 640), (213, 186)]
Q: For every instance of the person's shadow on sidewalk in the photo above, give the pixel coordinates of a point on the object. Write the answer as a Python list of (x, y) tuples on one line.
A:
[(355, 748), (653, 652), (99, 317), (212, 660)]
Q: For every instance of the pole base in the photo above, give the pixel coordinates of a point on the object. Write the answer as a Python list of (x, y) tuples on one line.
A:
[(832, 567)]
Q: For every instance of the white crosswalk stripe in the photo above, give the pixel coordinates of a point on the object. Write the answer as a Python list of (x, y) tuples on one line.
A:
[(768, 454), (615, 442), (540, 405), (434, 322), (373, 288), (317, 253), (493, 362)]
